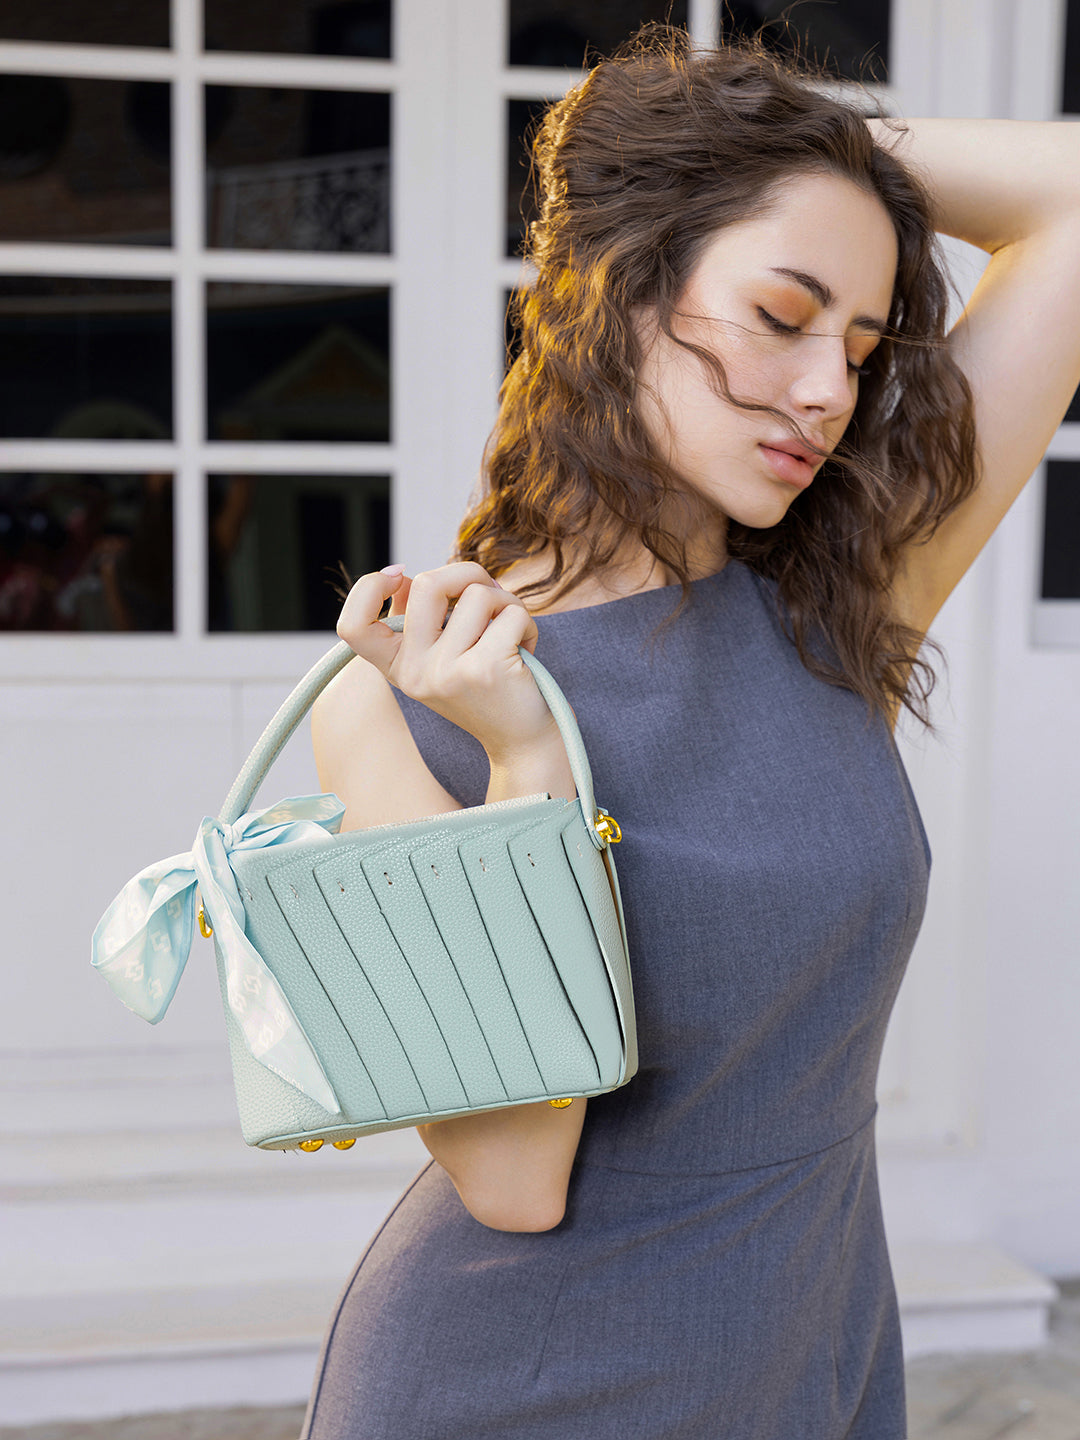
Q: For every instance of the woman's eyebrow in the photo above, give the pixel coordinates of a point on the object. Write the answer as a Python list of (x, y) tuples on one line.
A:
[(825, 297)]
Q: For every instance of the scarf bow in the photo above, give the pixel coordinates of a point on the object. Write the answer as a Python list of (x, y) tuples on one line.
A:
[(142, 942)]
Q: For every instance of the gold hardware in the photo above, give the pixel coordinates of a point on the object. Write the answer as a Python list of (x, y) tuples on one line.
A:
[(310, 1146), (344, 1144), (205, 928), (607, 828), (561, 1104)]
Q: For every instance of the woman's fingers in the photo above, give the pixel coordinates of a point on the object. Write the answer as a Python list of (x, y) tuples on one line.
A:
[(505, 623), (429, 596), (475, 611), (359, 624), (400, 597)]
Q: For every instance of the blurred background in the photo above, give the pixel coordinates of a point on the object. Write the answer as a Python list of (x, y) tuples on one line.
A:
[(254, 267)]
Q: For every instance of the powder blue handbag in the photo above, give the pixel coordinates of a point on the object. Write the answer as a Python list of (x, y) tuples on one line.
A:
[(383, 978)]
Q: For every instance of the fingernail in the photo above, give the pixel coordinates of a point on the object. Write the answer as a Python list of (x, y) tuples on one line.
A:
[(497, 585), (392, 570)]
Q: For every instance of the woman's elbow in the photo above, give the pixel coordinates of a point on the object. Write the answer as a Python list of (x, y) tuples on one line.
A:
[(521, 1212)]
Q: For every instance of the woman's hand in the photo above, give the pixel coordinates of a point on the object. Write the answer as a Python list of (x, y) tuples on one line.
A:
[(470, 671)]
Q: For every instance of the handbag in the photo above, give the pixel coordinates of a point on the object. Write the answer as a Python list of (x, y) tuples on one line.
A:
[(382, 978)]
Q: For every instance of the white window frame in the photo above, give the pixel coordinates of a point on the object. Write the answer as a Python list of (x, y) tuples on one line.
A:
[(417, 78)]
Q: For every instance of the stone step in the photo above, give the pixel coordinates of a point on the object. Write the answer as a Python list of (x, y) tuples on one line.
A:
[(969, 1297)]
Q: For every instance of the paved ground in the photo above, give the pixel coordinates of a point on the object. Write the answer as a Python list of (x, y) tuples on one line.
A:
[(1025, 1396)]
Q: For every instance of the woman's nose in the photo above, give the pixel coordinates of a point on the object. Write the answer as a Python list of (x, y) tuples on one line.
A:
[(824, 381)]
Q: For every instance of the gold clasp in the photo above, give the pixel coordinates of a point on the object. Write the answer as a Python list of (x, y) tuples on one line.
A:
[(607, 828), (561, 1104), (206, 930)]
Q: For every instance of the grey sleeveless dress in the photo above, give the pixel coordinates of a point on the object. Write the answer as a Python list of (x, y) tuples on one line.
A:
[(721, 1272)]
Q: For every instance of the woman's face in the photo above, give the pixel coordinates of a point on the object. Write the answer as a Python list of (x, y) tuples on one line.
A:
[(791, 302)]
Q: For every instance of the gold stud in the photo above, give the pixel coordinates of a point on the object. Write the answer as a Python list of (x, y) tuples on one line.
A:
[(561, 1104), (344, 1144), (607, 828), (310, 1146)]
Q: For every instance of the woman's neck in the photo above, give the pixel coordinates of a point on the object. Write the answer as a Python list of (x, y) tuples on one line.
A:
[(637, 571)]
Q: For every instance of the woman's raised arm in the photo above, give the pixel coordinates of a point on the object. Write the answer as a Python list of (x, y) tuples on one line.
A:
[(1011, 188)]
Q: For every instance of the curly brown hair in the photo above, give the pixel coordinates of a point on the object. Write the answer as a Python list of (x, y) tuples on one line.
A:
[(637, 169)]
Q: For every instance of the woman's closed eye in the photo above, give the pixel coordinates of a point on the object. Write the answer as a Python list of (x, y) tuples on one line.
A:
[(780, 328)]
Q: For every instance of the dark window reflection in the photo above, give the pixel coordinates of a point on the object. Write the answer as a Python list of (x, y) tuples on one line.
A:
[(297, 362), (522, 116), (277, 544), (849, 38), (1070, 90), (1061, 531), (86, 552), (86, 359), (560, 32), (297, 169), (300, 27), (84, 160), (86, 22)]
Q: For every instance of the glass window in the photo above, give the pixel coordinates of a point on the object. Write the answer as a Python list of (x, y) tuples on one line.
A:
[(298, 362), (277, 545), (86, 552), (84, 160), (850, 38), (86, 22), (1061, 531), (85, 358), (559, 32), (300, 27), (1070, 88), (297, 169), (521, 119)]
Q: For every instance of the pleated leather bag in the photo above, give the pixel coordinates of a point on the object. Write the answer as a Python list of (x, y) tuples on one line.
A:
[(386, 977)]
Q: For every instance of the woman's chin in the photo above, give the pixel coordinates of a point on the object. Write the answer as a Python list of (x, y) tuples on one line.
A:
[(761, 515)]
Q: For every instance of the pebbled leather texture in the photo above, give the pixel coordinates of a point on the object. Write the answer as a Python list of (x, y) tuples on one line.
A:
[(465, 961)]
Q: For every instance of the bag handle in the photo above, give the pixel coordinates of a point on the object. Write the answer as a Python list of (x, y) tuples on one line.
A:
[(273, 739)]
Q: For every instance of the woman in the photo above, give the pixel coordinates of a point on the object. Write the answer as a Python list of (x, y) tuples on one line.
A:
[(736, 429)]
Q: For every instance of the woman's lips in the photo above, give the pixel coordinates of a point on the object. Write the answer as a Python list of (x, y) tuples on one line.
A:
[(791, 468)]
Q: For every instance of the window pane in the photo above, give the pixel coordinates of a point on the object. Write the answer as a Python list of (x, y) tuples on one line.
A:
[(521, 117), (300, 27), (558, 32), (1070, 89), (1061, 531), (277, 543), (850, 38), (298, 362), (84, 160), (86, 552), (87, 359), (297, 169), (86, 22)]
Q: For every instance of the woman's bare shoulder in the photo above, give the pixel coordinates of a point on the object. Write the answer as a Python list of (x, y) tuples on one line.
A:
[(366, 755), (639, 573)]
